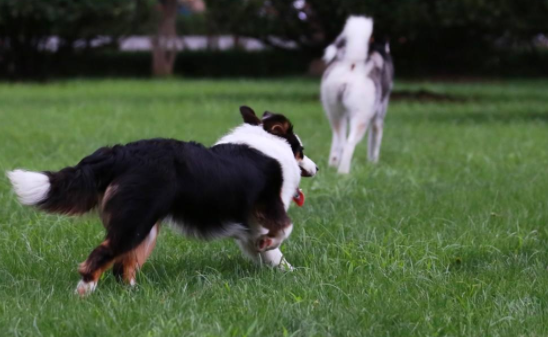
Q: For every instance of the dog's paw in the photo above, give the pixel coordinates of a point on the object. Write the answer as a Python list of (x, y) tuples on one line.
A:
[(85, 288), (285, 266), (343, 170)]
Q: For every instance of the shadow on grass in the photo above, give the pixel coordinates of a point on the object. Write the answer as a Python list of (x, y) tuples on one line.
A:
[(427, 96), (473, 261), (197, 271)]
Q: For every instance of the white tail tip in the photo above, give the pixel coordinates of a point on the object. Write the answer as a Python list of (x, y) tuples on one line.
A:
[(330, 53), (30, 187)]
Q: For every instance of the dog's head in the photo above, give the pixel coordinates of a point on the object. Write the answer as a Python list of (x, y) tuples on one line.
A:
[(278, 125)]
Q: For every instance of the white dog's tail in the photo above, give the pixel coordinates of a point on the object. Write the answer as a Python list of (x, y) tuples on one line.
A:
[(31, 187), (69, 191), (353, 43)]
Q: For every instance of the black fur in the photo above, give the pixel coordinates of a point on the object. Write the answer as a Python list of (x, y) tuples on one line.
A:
[(383, 77), (225, 190), (279, 125), (74, 189), (204, 188)]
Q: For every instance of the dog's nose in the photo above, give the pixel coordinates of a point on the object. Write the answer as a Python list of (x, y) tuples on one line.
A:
[(317, 169)]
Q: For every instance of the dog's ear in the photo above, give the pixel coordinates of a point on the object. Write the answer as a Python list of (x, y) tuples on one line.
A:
[(249, 115), (276, 124)]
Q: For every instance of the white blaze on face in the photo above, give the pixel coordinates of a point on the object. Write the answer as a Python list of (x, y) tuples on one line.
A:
[(309, 166)]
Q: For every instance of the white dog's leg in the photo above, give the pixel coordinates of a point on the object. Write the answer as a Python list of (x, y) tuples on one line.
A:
[(358, 127), (337, 119), (339, 139), (375, 139), (275, 258), (85, 288)]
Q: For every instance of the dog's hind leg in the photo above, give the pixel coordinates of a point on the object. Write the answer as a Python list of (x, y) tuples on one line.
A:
[(338, 141), (375, 136), (126, 267), (100, 259), (338, 122), (375, 139), (358, 126), (115, 248), (130, 211)]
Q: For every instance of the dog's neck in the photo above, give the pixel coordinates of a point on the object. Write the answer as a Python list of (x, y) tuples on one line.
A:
[(272, 146)]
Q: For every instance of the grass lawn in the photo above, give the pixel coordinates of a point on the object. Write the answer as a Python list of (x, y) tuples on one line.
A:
[(447, 235)]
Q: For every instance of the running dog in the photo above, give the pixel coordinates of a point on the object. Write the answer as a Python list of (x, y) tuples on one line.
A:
[(239, 188), (355, 90)]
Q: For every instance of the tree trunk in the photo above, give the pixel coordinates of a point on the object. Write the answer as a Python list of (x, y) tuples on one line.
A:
[(164, 43)]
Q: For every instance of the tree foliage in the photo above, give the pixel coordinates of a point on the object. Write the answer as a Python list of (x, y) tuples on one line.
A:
[(447, 24), (27, 25)]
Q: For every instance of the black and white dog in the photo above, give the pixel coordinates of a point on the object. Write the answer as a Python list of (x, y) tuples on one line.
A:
[(239, 188), (355, 89)]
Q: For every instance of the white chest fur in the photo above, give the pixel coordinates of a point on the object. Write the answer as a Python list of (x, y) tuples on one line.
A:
[(273, 147)]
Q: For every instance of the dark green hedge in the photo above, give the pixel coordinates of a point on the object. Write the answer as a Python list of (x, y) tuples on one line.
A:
[(282, 63), (189, 64)]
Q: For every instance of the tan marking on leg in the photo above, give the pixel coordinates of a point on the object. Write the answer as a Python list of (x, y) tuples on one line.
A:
[(84, 288), (103, 200), (84, 267), (136, 258), (91, 276), (109, 193)]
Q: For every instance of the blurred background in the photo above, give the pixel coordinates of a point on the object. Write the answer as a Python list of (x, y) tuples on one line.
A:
[(47, 39)]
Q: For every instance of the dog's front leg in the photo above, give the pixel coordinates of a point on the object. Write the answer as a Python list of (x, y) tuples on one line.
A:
[(247, 246), (275, 258)]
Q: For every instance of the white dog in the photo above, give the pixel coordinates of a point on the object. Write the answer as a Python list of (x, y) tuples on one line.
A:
[(355, 89)]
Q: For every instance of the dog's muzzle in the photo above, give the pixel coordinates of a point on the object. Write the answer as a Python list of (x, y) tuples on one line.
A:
[(308, 167)]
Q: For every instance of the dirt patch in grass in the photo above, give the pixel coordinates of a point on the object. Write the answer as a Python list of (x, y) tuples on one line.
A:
[(424, 96)]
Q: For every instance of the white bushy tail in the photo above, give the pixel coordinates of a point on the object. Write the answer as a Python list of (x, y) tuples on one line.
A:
[(31, 187), (354, 39), (358, 30)]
